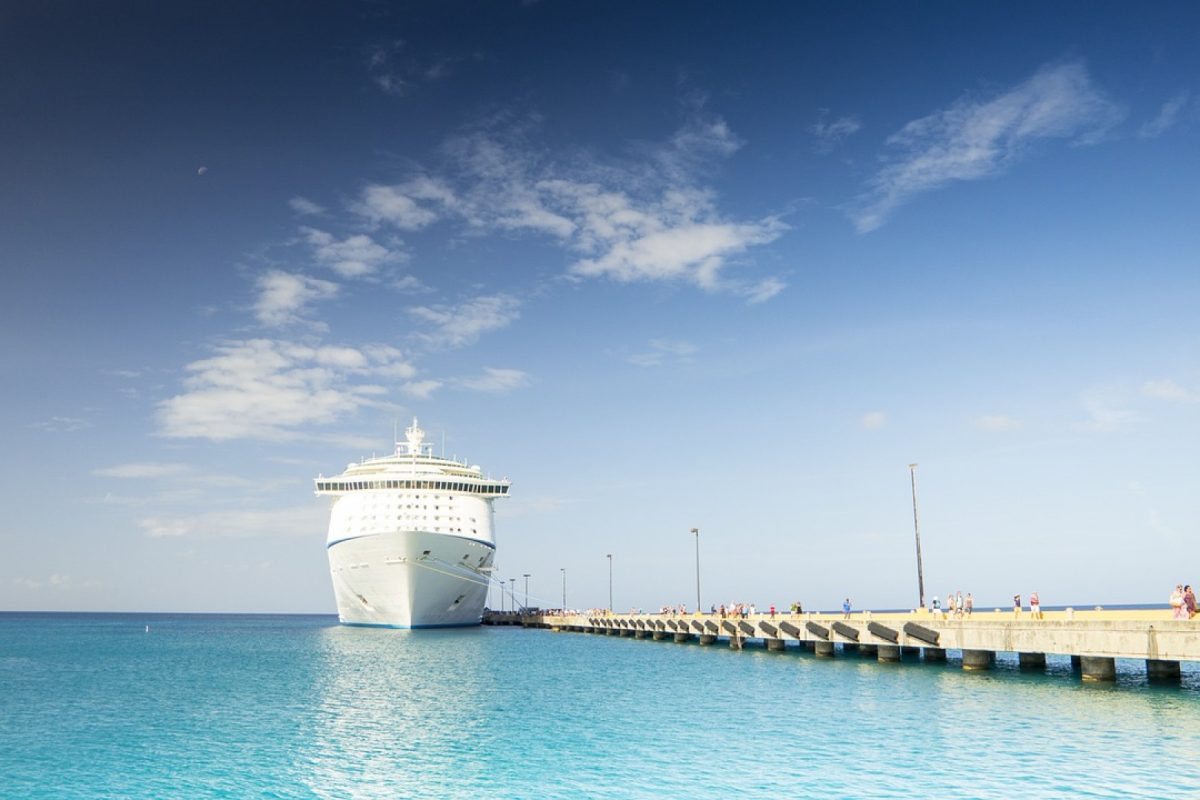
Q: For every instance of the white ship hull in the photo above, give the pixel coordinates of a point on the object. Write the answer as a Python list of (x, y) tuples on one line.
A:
[(410, 579)]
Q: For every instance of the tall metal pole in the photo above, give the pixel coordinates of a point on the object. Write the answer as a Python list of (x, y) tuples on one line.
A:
[(501, 596), (696, 531), (512, 587), (563, 570), (526, 575), (610, 583), (912, 471)]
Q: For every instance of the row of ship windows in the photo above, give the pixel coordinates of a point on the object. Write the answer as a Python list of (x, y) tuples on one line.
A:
[(445, 486)]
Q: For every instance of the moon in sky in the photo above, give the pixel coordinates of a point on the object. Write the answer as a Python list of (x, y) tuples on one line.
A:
[(202, 170)]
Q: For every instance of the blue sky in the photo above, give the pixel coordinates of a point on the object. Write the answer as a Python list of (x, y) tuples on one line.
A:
[(664, 266)]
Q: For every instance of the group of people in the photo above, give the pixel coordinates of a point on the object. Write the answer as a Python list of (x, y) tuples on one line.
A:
[(1183, 601), (1035, 606), (956, 604)]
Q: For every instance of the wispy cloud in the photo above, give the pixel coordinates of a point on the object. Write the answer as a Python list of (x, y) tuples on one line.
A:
[(644, 218), (284, 297), (1167, 117), (830, 133), (397, 70), (270, 389), (1106, 412), (422, 390), (463, 324), (305, 207), (662, 351), (873, 420), (142, 470), (60, 424), (1167, 389), (496, 380), (998, 422), (976, 138), (356, 256), (291, 522)]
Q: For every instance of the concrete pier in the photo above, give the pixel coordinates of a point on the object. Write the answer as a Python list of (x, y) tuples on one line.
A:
[(1162, 671), (975, 660), (1092, 639), (888, 653), (1098, 669), (1031, 661)]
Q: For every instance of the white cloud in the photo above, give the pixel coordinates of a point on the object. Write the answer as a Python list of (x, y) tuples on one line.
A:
[(1167, 116), (1106, 413), (61, 425), (496, 380), (463, 324), (974, 139), (998, 422), (304, 206), (1167, 389), (873, 420), (830, 133), (268, 389), (761, 291), (284, 296), (399, 205), (303, 521), (422, 389), (663, 350), (356, 256), (142, 470)]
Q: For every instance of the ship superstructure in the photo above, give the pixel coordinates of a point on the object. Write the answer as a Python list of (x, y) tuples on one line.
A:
[(410, 539)]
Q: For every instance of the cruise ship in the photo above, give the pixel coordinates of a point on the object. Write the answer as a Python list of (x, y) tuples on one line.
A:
[(410, 538)]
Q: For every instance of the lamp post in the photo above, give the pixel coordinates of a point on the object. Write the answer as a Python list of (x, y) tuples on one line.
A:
[(610, 607), (501, 595), (526, 576), (563, 570), (696, 532), (912, 472), (512, 587)]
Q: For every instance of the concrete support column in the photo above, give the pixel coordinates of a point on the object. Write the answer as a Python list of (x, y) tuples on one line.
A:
[(707, 638), (736, 642), (1162, 671), (887, 653), (908, 651), (1032, 660), (974, 660), (823, 649), (933, 654), (627, 631), (868, 651), (639, 634), (1098, 669), (610, 631), (1075, 665), (774, 644), (658, 636), (682, 637), (810, 646), (849, 649)]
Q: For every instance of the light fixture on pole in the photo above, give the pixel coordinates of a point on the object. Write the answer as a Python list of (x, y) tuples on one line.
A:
[(563, 570), (696, 531), (912, 471), (512, 590), (610, 607), (501, 595), (526, 576)]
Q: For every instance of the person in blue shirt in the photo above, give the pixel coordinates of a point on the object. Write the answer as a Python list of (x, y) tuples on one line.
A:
[(846, 608)]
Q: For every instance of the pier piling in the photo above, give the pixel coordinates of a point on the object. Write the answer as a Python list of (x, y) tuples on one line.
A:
[(823, 649), (887, 653), (1098, 669), (1031, 661), (977, 660), (1162, 671)]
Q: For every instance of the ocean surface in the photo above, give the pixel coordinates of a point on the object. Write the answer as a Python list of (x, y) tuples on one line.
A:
[(93, 706)]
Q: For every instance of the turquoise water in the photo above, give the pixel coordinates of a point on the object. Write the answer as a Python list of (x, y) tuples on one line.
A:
[(291, 706)]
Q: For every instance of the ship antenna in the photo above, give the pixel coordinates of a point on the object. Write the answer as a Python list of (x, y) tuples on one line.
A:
[(443, 442)]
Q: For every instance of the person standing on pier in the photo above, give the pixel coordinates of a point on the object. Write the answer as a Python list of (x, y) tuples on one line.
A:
[(970, 601), (846, 608), (1177, 602), (1017, 606), (1189, 601), (1035, 606)]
